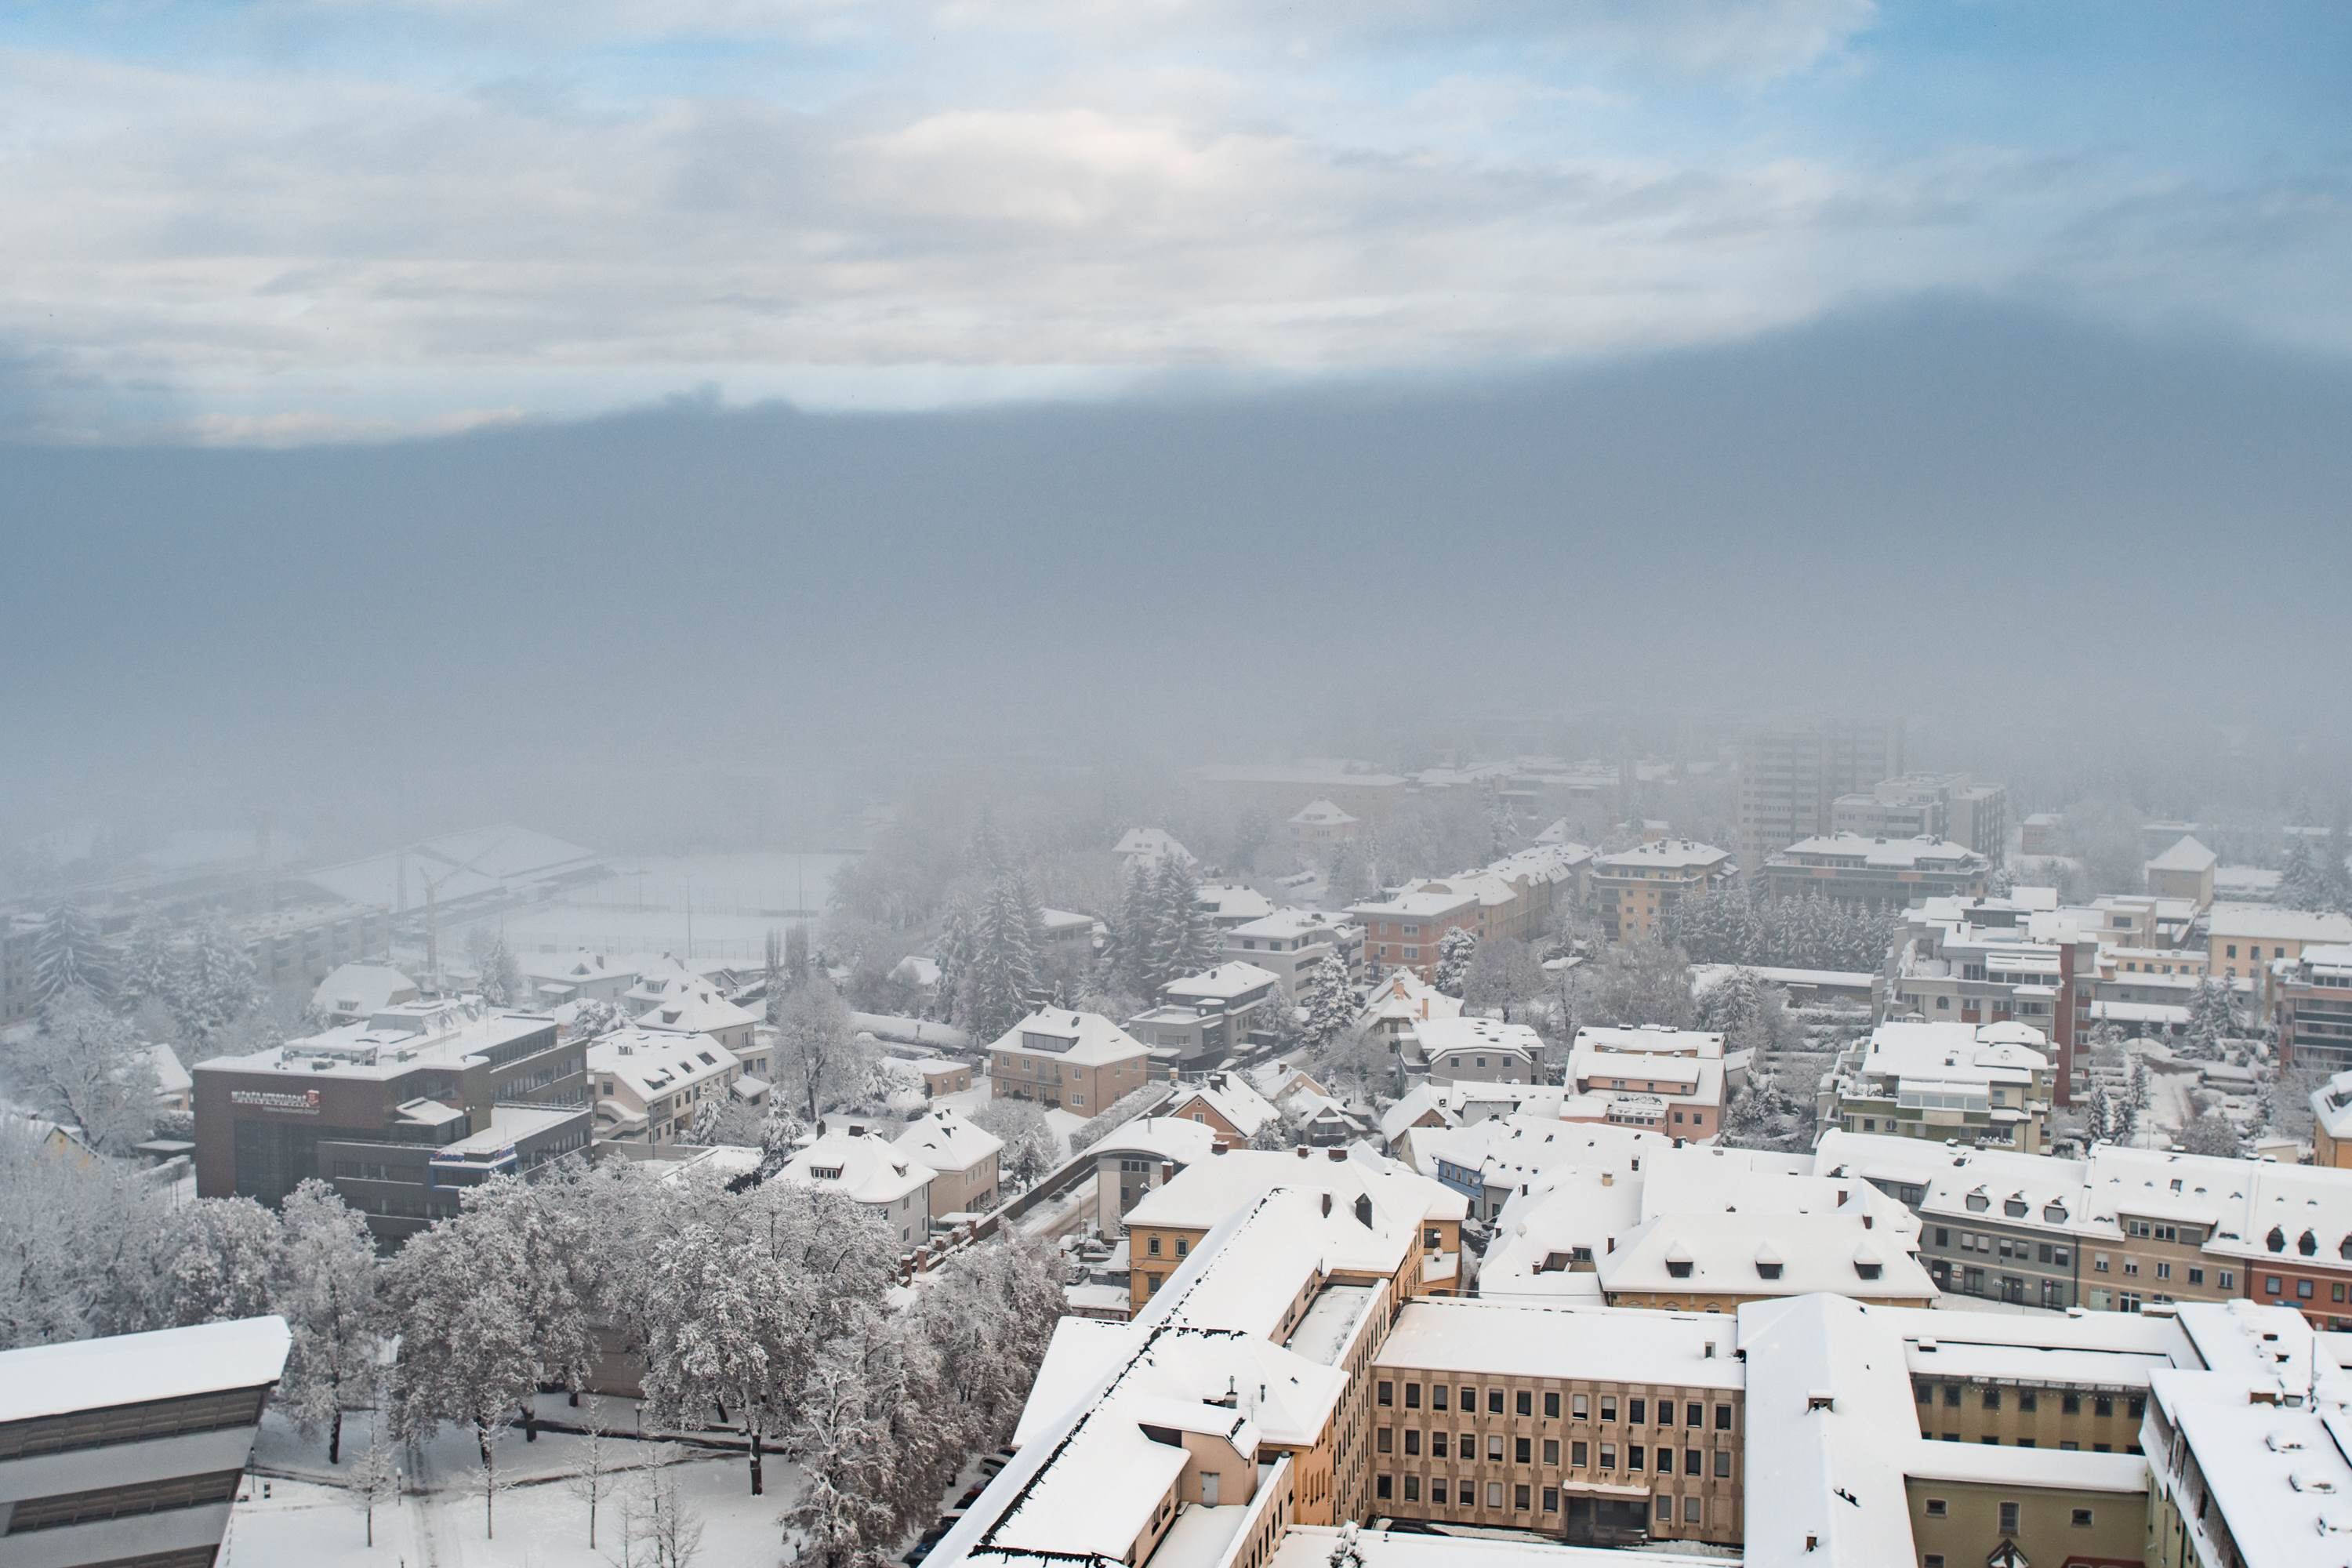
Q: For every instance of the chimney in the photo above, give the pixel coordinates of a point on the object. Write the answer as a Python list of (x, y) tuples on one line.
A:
[(1327, 1200), (1302, 1151), (1339, 1156), (1167, 1171), (1608, 1178), (1217, 1148)]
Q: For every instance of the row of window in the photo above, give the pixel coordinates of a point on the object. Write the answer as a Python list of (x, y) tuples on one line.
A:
[(1466, 1494), (1990, 1396), (129, 1422), (123, 1502), (1464, 1447), (1580, 1406)]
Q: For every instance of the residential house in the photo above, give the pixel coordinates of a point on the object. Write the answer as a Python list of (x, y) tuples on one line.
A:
[(1633, 890), (1987, 1084), (1226, 1103), (2184, 871), (1482, 1050), (1079, 1061), (651, 1084), (963, 1156), (2312, 996), (1683, 1068), (1207, 1016), (353, 992), (872, 1172), (1879, 873)]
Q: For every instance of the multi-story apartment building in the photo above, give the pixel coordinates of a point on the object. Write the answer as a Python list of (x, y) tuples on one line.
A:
[(1474, 1050), (1984, 1084), (1056, 1057), (1682, 1067), (1790, 775), (2254, 940), (2312, 997), (2331, 1122), (1514, 897), (1292, 944), (132, 1449), (1883, 873), (2120, 1229), (1930, 805), (398, 1114), (651, 1084), (1203, 1016), (1319, 826), (1991, 960), (1633, 890), (1591, 1424)]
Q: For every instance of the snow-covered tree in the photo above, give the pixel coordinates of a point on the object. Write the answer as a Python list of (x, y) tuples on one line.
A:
[(2134, 1110), (656, 1512), (553, 1233), (1003, 971), (819, 1059), (1127, 952), (2301, 885), (214, 982), (866, 1435), (2334, 870), (1502, 974), (2212, 1021), (458, 1291), (83, 1068), (375, 1478), (83, 1248), (1454, 951), (224, 1263), (2098, 1115), (501, 976), (1638, 983), (149, 963), (70, 955), (2213, 1133), (595, 1458), (1331, 1004), (593, 1019), (326, 1291), (1032, 1147), (1184, 939)]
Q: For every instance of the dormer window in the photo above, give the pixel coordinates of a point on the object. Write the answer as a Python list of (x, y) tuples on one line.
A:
[(825, 1173), (2306, 1244), (1679, 1267), (1868, 1270), (2276, 1240)]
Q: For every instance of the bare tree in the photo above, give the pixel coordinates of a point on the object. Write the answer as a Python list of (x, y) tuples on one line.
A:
[(596, 1460)]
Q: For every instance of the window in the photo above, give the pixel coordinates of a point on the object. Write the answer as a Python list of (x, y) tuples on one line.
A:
[(1723, 1417), (2071, 1403), (1522, 1450), (1636, 1457), (1493, 1402), (1412, 1396), (1580, 1406), (1690, 1510), (2103, 1404), (2009, 1511), (1666, 1511), (1551, 1402), (1551, 1451), (1691, 1462), (1666, 1461), (1579, 1455), (1992, 1398), (1608, 1407), (1551, 1499), (1385, 1393), (1938, 1508), (1494, 1450), (2027, 1399), (1637, 1411), (1520, 1496), (1494, 1494), (1723, 1464), (1151, 1247), (1437, 1396), (1468, 1493), (1384, 1487), (1413, 1488), (1437, 1445), (1608, 1455), (2082, 1519), (1525, 1402), (1384, 1440), (1412, 1440), (1690, 1416)]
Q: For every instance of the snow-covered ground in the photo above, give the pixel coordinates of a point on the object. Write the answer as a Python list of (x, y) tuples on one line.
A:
[(644, 907), (298, 1512)]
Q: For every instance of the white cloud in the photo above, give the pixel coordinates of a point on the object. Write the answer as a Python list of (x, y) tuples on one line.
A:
[(301, 252)]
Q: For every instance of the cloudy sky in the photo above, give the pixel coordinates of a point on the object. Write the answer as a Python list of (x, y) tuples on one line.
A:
[(282, 221)]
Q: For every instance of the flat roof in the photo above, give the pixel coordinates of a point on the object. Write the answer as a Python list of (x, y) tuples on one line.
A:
[(1607, 1344), (137, 1368)]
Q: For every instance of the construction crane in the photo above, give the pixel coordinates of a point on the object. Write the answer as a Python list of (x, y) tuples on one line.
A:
[(433, 896)]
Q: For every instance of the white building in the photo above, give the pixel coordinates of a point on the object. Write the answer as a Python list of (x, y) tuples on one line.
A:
[(650, 1084), (872, 1172), (354, 991), (1484, 1050), (1684, 1068), (130, 1449), (961, 1153), (1144, 848)]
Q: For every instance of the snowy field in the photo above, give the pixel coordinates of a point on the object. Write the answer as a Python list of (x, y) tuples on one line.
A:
[(644, 907), (311, 1517)]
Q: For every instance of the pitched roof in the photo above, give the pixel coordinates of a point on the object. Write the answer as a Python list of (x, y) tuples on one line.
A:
[(869, 1169), (1089, 1039), (946, 1142)]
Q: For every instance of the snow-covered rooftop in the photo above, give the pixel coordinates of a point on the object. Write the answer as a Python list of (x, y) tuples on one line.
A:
[(654, 1063), (1222, 983), (946, 1142), (1440, 1037), (1518, 1339), (2186, 855), (862, 1166), (1087, 1039), (134, 1369)]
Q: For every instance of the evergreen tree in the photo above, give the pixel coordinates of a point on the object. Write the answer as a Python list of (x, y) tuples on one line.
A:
[(1331, 1004), (1127, 952), (1454, 951), (501, 976), (2211, 1019), (2336, 870), (2301, 886), (1184, 941), (1004, 967), (216, 982), (985, 856), (2098, 1115), (957, 943), (148, 963), (68, 953)]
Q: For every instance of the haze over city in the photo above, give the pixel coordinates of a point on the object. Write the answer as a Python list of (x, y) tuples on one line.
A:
[(911, 782)]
